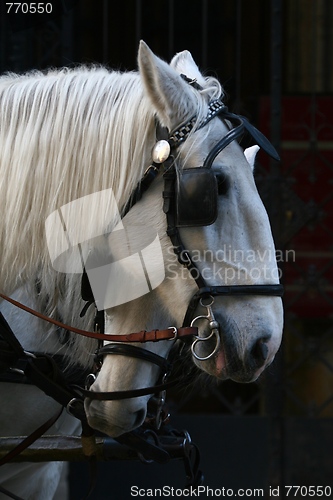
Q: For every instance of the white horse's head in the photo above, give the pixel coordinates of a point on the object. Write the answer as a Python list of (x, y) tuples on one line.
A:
[(236, 249)]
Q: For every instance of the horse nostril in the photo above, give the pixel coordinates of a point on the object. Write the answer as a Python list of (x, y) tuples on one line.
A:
[(259, 352)]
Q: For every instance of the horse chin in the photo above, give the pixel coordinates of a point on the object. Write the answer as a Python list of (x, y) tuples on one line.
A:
[(113, 418), (218, 367)]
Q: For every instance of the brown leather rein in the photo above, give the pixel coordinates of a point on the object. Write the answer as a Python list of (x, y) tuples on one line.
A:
[(171, 333)]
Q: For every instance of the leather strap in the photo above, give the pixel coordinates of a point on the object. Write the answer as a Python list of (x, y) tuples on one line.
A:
[(134, 393), (274, 290), (133, 351), (142, 336), (30, 439)]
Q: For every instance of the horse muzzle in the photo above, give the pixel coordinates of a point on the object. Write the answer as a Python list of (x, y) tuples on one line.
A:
[(221, 350)]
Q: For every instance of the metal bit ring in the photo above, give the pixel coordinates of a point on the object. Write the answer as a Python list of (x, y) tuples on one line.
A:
[(214, 327), (202, 339)]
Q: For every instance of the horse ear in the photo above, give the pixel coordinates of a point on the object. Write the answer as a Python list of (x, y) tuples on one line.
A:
[(171, 96), (184, 63), (250, 154)]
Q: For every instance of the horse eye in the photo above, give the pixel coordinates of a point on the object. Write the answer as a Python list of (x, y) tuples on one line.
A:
[(222, 183)]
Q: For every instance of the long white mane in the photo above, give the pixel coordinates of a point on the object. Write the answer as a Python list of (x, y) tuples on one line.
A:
[(64, 135)]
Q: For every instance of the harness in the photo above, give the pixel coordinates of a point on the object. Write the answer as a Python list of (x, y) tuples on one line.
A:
[(182, 190)]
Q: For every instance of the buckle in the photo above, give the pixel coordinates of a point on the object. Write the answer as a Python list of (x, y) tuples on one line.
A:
[(175, 332)]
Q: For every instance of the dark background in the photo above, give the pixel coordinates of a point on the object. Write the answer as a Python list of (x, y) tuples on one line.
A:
[(274, 58)]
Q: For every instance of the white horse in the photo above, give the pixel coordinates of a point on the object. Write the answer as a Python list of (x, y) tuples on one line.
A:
[(69, 134)]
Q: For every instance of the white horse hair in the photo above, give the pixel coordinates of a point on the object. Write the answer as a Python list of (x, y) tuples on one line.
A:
[(69, 133)]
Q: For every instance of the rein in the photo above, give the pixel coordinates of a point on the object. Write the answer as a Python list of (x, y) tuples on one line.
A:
[(171, 333)]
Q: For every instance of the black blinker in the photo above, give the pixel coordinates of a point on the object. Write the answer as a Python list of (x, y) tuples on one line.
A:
[(196, 197)]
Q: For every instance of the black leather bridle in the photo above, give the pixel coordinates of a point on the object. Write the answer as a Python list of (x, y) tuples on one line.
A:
[(164, 154)]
